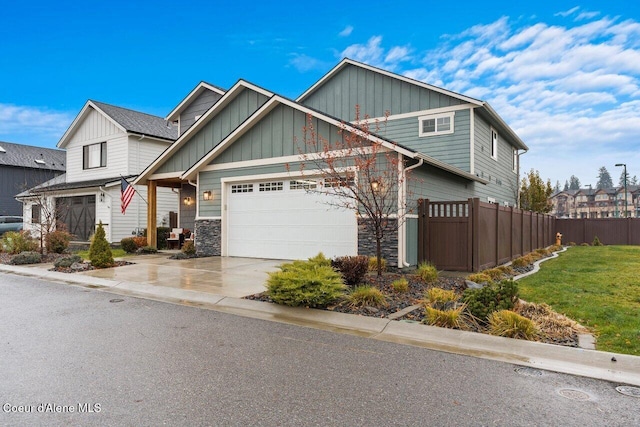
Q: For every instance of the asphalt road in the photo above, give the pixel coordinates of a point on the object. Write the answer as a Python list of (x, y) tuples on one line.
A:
[(139, 362)]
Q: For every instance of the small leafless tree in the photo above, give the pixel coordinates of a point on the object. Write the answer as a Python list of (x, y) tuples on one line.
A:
[(45, 220), (364, 175)]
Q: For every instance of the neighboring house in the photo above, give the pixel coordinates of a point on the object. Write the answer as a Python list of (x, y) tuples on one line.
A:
[(243, 158), (103, 144), (598, 203), (22, 167)]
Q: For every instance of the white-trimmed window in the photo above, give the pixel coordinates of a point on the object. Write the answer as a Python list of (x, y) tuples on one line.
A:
[(436, 124), (515, 160), (271, 186), (94, 156), (302, 185), (494, 144), (242, 188)]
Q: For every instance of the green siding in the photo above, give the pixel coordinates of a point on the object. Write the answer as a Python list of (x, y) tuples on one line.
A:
[(503, 182), (428, 182), (411, 225), (225, 121), (374, 93)]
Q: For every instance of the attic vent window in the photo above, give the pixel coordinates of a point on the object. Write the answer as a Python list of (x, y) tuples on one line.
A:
[(40, 162), (435, 124)]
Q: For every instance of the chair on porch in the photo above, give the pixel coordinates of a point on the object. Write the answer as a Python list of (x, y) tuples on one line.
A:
[(175, 238)]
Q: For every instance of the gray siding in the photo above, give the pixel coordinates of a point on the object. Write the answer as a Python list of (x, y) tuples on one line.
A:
[(16, 180), (503, 182), (453, 149), (224, 122), (374, 93), (187, 213), (428, 182), (197, 107)]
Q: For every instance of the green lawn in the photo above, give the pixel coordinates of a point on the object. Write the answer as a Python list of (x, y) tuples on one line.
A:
[(117, 253), (598, 286)]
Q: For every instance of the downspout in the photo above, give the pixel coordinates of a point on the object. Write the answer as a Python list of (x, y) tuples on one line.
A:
[(518, 183), (403, 231)]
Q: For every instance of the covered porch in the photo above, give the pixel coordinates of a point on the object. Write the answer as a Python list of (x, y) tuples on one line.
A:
[(182, 225)]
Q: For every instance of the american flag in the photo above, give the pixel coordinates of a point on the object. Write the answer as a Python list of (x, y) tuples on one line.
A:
[(126, 194)]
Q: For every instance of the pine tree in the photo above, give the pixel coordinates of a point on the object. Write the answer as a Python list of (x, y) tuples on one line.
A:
[(100, 253), (621, 182), (634, 180), (604, 179), (556, 189), (566, 186), (574, 183), (534, 193)]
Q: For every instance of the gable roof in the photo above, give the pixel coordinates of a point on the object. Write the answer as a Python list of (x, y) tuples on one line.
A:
[(25, 156), (490, 112), (60, 183), (125, 119), (197, 91), (199, 124), (276, 100)]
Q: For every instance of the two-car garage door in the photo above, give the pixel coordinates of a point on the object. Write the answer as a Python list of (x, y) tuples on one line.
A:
[(282, 219)]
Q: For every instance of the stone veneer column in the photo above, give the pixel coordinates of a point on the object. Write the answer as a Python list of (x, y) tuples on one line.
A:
[(208, 237), (367, 242)]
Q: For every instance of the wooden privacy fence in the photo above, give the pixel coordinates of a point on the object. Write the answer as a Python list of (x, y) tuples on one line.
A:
[(472, 235), (610, 231)]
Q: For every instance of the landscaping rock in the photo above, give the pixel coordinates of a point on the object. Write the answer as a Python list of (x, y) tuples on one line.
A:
[(474, 285)]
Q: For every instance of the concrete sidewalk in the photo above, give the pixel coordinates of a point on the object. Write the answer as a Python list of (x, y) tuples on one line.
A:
[(618, 368)]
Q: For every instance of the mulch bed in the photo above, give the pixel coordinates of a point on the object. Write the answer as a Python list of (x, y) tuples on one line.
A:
[(85, 266)]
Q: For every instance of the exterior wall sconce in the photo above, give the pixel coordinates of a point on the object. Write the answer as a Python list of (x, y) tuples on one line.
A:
[(207, 195), (187, 201), (376, 186), (101, 197)]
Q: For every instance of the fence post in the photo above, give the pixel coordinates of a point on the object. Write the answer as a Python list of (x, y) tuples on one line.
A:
[(511, 234), (475, 241), (421, 230), (497, 250), (469, 243), (521, 232), (628, 230)]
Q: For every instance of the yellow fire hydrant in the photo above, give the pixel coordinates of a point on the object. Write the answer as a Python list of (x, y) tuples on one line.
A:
[(558, 239)]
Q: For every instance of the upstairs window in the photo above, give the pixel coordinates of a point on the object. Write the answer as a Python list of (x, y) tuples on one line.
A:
[(436, 124), (494, 144), (94, 156)]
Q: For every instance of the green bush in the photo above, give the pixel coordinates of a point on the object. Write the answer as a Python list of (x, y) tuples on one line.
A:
[(448, 318), (494, 273), (15, 242), (26, 258), (373, 264), (145, 250), (128, 245), (189, 248), (506, 323), (480, 278), (427, 272), (352, 268), (400, 285), (499, 296), (596, 242), (161, 237), (310, 283), (367, 295), (57, 241), (100, 252), (523, 261), (68, 261)]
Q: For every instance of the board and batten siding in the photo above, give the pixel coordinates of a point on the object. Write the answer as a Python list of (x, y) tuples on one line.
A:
[(503, 181), (224, 122), (375, 93), (197, 107), (141, 152), (453, 148)]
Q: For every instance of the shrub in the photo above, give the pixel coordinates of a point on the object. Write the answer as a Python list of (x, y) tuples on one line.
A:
[(161, 237), (400, 285), (100, 252), (499, 296), (427, 272), (585, 244), (26, 258), (555, 248), (352, 268), (522, 261), (15, 242), (596, 242), (57, 241), (305, 283), (480, 278), (367, 295), (437, 296), (573, 244), (139, 241), (449, 318), (507, 270), (147, 250), (506, 323), (189, 248), (373, 264), (543, 252), (494, 273), (320, 260), (67, 261), (128, 245)]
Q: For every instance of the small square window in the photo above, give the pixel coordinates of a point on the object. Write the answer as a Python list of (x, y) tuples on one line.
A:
[(302, 185), (271, 186), (242, 188), (94, 156)]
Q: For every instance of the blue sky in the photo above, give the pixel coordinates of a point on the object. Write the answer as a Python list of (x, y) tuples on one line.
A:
[(564, 75)]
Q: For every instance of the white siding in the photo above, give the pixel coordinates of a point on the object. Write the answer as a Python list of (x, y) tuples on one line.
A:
[(142, 152), (116, 160)]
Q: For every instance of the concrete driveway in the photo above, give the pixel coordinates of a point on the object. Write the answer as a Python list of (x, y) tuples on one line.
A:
[(225, 276)]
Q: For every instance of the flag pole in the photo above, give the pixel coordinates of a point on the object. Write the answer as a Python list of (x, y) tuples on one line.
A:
[(134, 189)]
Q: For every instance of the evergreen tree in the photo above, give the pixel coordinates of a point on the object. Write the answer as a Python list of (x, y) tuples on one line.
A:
[(634, 180), (100, 253), (556, 189), (534, 193), (604, 179), (622, 176), (566, 186), (574, 183)]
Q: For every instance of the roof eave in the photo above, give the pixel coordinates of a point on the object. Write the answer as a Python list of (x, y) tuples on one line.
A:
[(195, 92), (514, 137)]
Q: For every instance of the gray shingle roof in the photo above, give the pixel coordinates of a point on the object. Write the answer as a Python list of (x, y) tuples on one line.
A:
[(26, 155), (59, 183), (140, 123)]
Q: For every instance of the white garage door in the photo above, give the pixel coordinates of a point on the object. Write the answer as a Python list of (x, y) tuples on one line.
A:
[(279, 219)]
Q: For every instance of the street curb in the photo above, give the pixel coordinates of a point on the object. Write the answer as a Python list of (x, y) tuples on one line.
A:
[(613, 367)]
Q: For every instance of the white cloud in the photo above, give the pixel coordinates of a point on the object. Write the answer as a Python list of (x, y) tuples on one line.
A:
[(346, 32), (568, 12), (305, 63), (16, 120), (370, 53)]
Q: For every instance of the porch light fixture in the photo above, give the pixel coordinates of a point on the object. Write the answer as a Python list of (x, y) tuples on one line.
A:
[(187, 201), (376, 185), (207, 195)]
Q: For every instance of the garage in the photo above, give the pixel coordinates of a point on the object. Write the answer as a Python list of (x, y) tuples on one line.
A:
[(78, 214), (282, 219)]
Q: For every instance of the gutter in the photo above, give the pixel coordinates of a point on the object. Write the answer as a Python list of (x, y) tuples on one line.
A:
[(403, 228)]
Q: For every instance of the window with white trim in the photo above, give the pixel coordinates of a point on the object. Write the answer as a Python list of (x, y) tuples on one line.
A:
[(436, 124), (494, 144), (271, 186), (515, 160), (242, 188), (302, 185), (94, 156)]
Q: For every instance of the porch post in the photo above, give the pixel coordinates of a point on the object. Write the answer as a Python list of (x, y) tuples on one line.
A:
[(152, 238)]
